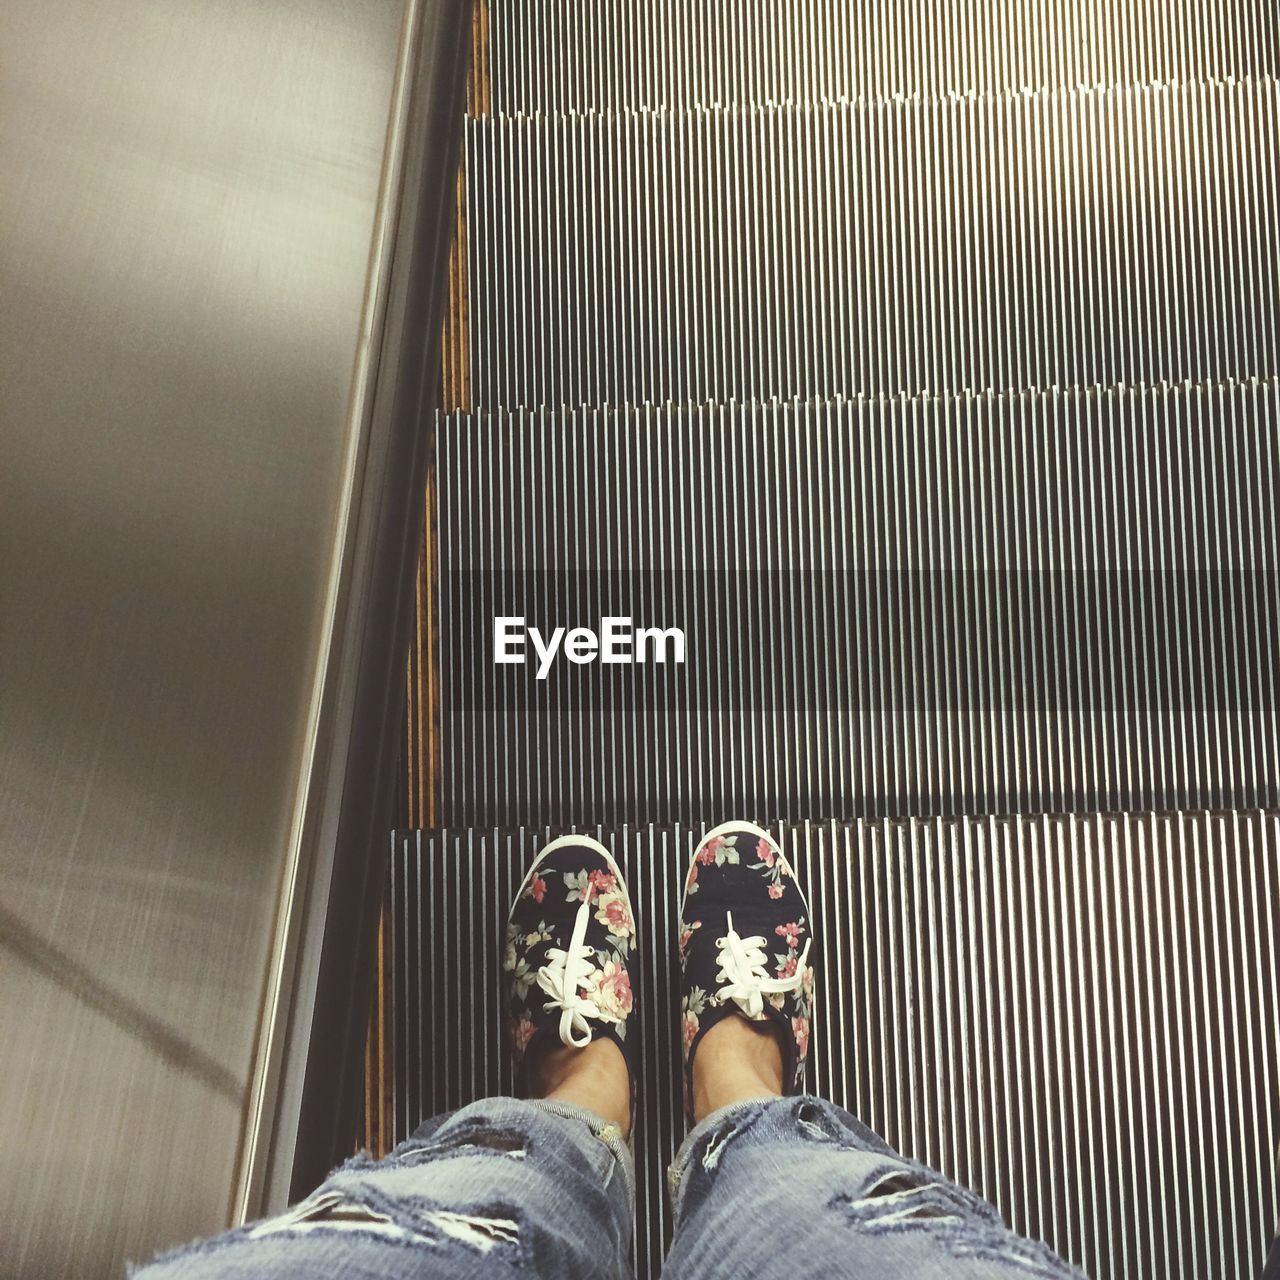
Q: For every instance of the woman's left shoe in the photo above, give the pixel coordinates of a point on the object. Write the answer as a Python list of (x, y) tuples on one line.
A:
[(569, 965), (745, 941)]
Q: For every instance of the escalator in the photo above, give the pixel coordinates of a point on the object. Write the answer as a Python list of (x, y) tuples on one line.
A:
[(922, 366)]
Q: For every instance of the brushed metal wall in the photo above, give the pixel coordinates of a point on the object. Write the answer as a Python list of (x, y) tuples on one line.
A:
[(192, 220)]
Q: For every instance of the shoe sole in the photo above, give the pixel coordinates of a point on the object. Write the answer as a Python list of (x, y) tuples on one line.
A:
[(575, 842), (746, 829)]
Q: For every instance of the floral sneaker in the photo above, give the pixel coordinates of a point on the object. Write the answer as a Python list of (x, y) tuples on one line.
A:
[(744, 945), (569, 960)]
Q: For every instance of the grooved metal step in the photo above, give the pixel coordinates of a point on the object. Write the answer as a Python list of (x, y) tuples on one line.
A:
[(684, 53), (921, 362), (1039, 239), (981, 604), (1075, 1016)]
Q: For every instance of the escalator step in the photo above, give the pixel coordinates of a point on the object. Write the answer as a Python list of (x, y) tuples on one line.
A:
[(1032, 603), (616, 55), (1074, 1016), (1037, 239)]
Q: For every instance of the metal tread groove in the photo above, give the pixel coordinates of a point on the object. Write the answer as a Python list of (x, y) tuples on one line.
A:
[(1073, 1015), (678, 53), (1036, 603), (866, 402), (1051, 239), (495, 122), (923, 362)]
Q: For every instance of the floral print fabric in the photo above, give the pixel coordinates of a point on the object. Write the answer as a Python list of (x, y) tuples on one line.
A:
[(743, 872), (543, 918)]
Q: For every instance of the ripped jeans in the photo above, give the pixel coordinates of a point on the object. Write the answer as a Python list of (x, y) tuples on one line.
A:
[(505, 1188)]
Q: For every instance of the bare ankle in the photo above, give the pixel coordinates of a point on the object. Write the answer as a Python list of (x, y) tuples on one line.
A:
[(736, 1060), (594, 1077)]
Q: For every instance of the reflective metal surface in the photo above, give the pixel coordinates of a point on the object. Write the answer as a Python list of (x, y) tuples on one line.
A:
[(189, 214)]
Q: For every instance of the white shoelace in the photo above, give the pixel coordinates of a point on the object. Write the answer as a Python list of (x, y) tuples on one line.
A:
[(744, 972), (562, 976)]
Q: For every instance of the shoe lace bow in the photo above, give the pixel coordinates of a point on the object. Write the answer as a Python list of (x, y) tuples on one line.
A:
[(744, 971), (564, 976)]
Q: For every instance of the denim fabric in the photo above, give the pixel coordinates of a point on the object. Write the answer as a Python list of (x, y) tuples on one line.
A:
[(502, 1188), (798, 1187)]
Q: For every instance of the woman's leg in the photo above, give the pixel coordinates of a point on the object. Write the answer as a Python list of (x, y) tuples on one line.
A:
[(770, 1185), (795, 1186), (502, 1188), (505, 1187)]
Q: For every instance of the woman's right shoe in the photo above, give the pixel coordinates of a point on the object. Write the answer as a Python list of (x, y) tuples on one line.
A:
[(569, 963), (745, 945)]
